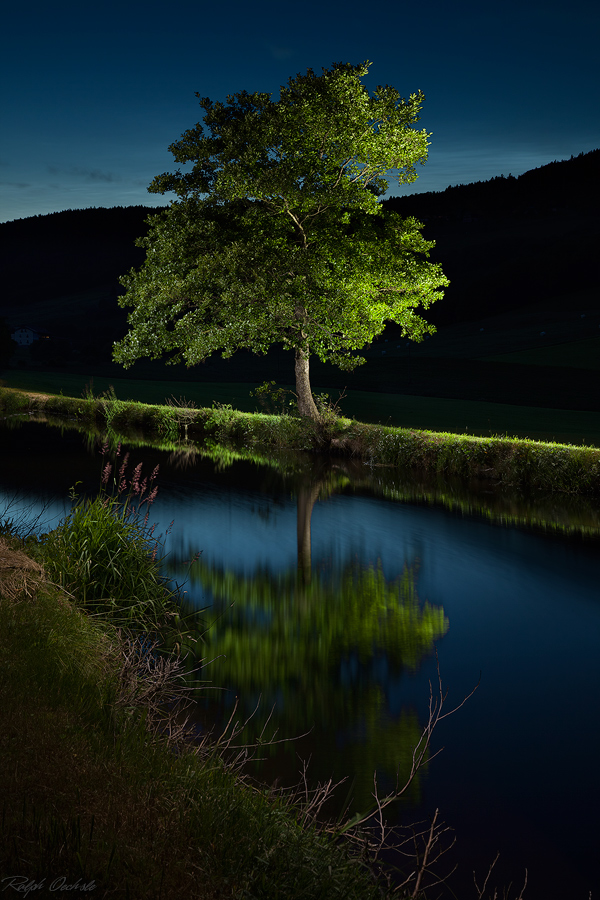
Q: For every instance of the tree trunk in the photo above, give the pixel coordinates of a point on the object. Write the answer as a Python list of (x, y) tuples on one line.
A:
[(306, 404), (307, 495)]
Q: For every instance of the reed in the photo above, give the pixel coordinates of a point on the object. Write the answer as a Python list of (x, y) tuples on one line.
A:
[(101, 785), (106, 555)]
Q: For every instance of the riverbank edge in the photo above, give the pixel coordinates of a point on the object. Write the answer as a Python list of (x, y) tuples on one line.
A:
[(513, 462), (92, 798)]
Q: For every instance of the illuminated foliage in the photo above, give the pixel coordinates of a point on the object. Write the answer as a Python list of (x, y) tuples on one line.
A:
[(278, 234)]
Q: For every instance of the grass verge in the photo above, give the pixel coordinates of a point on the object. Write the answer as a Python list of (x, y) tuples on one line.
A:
[(101, 787), (476, 417), (515, 462), (96, 797)]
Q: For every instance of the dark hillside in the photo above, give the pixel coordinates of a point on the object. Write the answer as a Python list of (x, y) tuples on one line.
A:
[(504, 243), (510, 242), (521, 254), (570, 185), (45, 257)]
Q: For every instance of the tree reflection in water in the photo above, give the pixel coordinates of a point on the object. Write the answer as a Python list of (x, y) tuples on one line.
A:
[(316, 650)]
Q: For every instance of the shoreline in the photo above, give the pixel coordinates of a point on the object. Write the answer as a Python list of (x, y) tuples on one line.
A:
[(512, 462)]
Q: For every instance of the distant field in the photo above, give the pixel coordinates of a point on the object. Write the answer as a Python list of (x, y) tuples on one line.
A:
[(571, 317), (473, 417), (73, 385), (576, 354), (430, 413)]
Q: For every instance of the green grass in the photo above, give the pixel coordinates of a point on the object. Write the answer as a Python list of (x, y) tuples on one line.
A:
[(524, 464), (473, 417), (90, 788), (99, 786), (142, 391), (404, 411), (511, 461), (87, 792), (106, 558)]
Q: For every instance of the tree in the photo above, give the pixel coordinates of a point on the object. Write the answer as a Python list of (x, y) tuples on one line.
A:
[(278, 234)]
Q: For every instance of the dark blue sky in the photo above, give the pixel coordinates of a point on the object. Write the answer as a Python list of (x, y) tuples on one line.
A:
[(93, 93)]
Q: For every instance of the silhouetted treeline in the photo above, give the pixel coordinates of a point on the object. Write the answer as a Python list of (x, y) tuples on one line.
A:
[(503, 243), (7, 345), (44, 257), (510, 242), (570, 185)]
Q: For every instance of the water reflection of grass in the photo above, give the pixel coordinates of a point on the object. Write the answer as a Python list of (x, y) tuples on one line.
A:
[(566, 511), (106, 801)]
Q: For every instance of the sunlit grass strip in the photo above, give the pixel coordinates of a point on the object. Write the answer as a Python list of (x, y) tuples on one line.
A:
[(517, 462), (512, 461), (546, 510), (397, 410)]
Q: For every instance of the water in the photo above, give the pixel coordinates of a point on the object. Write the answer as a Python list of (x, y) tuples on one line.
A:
[(341, 596)]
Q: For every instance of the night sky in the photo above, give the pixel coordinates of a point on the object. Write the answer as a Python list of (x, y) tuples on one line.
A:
[(93, 93)]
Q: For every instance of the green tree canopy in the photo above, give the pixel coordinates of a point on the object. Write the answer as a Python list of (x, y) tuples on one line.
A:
[(278, 235)]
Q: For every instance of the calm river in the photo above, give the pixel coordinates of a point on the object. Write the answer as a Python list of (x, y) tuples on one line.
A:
[(329, 590)]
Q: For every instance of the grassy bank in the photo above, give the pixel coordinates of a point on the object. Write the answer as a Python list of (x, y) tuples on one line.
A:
[(400, 410), (102, 789), (515, 462)]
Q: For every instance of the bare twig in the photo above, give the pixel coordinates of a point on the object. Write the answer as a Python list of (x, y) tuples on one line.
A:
[(495, 896), (433, 835), (371, 831), (420, 755)]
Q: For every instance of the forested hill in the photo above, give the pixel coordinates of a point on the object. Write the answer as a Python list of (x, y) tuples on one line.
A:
[(503, 243), (50, 256), (512, 242), (571, 185)]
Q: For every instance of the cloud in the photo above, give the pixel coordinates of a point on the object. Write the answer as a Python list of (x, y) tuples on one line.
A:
[(95, 175), (90, 175), (17, 184)]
